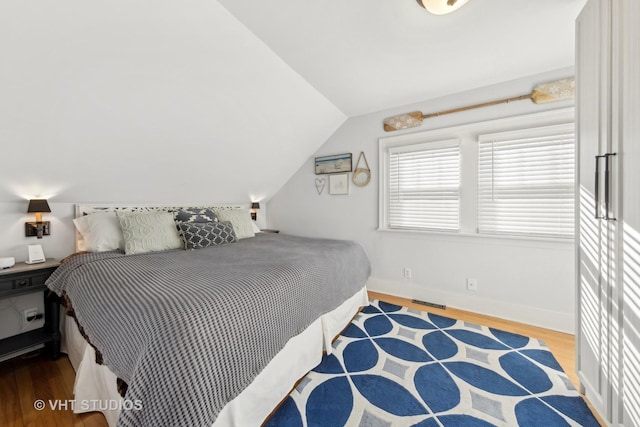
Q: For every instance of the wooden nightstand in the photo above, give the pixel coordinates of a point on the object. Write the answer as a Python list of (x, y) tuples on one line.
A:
[(23, 279)]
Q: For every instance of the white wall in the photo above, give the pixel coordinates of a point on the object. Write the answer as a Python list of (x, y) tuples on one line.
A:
[(523, 280), (163, 102), (13, 241)]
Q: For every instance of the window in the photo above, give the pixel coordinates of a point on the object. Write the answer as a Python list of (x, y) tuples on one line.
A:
[(526, 182), (423, 186), (508, 177)]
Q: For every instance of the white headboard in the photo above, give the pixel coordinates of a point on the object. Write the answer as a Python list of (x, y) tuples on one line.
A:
[(82, 210)]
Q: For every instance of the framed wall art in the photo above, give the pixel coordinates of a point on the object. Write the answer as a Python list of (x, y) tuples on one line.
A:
[(338, 163), (339, 184)]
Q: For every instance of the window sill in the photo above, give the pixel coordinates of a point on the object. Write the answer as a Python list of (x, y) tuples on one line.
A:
[(475, 236)]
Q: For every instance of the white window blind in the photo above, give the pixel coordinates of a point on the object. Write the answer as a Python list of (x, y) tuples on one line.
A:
[(526, 182), (424, 186)]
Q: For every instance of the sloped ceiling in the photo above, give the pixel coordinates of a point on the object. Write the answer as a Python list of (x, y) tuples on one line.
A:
[(148, 101), (188, 102), (370, 55)]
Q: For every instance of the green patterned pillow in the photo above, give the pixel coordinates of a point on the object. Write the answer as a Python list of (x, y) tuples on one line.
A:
[(240, 219), (149, 232)]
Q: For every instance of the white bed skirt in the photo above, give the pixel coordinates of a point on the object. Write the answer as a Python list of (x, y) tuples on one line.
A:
[(301, 353)]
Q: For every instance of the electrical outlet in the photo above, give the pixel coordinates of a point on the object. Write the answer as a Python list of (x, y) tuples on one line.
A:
[(29, 315), (406, 273), (472, 284)]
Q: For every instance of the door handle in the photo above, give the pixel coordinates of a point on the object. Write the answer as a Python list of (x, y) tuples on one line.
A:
[(597, 188), (607, 184)]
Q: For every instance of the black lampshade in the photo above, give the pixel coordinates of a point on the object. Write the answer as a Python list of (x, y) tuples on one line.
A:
[(255, 205), (38, 205)]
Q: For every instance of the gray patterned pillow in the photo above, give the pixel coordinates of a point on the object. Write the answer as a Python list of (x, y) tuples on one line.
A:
[(195, 215), (199, 235), (190, 214)]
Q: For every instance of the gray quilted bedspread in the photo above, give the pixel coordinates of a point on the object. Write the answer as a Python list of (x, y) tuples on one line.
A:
[(189, 330)]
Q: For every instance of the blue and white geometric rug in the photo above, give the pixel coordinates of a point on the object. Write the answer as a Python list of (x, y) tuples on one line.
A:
[(395, 366)]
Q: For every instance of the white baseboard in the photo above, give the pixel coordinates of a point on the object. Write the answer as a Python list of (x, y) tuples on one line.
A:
[(562, 322)]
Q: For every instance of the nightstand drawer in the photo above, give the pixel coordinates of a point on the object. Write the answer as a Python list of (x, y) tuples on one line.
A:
[(22, 282), (16, 283), (17, 279)]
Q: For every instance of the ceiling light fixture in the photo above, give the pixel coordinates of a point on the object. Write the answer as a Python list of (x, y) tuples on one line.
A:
[(442, 7)]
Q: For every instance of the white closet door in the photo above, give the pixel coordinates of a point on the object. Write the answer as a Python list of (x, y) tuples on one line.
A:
[(594, 292), (630, 163)]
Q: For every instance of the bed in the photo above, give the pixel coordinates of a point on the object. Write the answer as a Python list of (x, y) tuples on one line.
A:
[(212, 336)]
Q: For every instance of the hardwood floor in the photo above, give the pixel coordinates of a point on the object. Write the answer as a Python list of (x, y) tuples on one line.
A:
[(25, 380)]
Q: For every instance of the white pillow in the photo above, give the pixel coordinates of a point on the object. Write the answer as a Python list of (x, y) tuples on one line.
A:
[(240, 219), (100, 232), (149, 232)]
